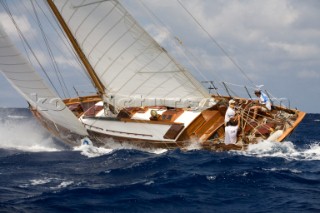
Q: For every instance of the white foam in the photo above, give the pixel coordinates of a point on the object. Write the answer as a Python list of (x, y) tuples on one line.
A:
[(118, 146), (124, 145), (40, 181), (25, 136), (92, 151), (194, 145), (149, 183), (285, 150), (284, 169), (157, 151), (63, 184), (211, 177)]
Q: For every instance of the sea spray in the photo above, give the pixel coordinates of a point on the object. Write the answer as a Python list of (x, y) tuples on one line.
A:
[(26, 135), (284, 149), (89, 150)]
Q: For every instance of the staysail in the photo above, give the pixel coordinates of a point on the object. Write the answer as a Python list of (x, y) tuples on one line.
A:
[(127, 60), (31, 86)]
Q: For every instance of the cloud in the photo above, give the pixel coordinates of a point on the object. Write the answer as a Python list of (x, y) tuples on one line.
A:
[(161, 34), (270, 40), (309, 74), (297, 51), (23, 23)]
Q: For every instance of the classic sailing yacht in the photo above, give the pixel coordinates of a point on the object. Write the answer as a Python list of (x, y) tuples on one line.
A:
[(144, 97)]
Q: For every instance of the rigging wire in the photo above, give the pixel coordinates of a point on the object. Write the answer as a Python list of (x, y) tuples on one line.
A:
[(49, 43), (179, 44), (64, 39), (176, 39), (23, 45), (75, 55), (216, 43), (54, 63), (25, 42)]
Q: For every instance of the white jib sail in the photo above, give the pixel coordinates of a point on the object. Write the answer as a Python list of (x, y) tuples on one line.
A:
[(31, 86), (128, 61)]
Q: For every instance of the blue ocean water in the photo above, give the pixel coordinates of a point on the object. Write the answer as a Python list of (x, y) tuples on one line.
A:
[(40, 174)]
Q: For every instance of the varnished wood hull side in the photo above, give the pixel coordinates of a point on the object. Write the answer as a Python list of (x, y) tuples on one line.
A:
[(205, 125), (58, 131), (105, 139), (301, 115)]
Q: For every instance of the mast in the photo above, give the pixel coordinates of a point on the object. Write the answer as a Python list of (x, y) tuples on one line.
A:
[(96, 81), (127, 60)]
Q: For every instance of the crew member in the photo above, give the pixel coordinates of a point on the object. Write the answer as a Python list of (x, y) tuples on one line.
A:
[(231, 130), (230, 113), (264, 101)]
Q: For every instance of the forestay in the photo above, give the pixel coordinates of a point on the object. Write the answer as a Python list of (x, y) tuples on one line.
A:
[(128, 61), (24, 79)]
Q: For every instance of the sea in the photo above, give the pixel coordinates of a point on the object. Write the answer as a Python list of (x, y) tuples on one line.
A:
[(38, 173)]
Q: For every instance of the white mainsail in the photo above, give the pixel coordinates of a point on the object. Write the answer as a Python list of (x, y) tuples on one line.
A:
[(31, 86), (127, 60)]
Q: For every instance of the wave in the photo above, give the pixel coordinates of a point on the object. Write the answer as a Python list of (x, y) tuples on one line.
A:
[(26, 135), (284, 149), (91, 151), (47, 183)]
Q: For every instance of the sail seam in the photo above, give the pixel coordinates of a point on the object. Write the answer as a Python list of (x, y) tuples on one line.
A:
[(133, 59), (76, 30), (151, 76), (96, 26), (84, 5), (110, 47)]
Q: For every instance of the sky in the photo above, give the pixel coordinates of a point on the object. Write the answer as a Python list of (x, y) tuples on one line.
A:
[(274, 43)]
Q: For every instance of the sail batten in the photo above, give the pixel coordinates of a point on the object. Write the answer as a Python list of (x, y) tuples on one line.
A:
[(127, 60)]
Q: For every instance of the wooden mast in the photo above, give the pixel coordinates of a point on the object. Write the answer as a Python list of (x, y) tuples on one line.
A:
[(96, 81)]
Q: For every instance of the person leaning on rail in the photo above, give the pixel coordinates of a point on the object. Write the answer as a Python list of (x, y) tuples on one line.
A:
[(264, 103)]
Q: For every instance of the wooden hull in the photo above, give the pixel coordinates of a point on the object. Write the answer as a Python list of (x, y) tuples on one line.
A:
[(178, 128), (56, 130)]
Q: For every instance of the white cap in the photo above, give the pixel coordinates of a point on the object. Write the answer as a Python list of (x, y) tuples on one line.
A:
[(232, 101)]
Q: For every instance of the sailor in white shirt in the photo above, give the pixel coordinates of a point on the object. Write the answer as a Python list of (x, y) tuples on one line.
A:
[(230, 111), (231, 131)]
